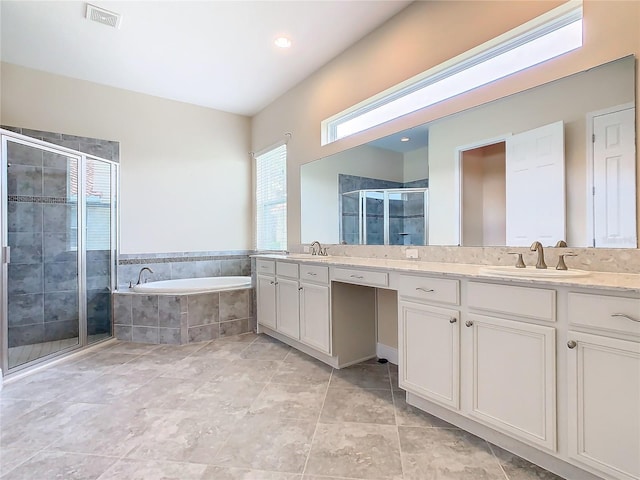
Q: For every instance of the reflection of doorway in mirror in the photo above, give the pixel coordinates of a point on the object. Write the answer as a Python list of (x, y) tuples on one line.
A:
[(611, 186), (512, 189), (483, 195)]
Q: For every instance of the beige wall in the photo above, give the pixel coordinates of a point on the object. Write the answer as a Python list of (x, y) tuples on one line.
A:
[(404, 47), (416, 165), (185, 170)]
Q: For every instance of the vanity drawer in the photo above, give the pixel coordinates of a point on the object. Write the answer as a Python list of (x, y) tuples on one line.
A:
[(604, 312), (536, 303), (360, 277), (429, 289), (286, 269), (267, 267), (314, 273)]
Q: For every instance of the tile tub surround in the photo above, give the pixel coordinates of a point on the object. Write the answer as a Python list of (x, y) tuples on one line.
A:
[(613, 260), (177, 265), (181, 319), (240, 407)]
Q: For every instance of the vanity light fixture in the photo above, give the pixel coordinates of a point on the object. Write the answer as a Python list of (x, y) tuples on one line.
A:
[(405, 139), (282, 42)]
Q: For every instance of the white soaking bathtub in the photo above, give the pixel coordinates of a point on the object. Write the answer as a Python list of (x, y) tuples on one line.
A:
[(194, 285)]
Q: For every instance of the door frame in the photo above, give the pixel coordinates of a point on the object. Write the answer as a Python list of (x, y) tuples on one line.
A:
[(589, 240), (457, 173)]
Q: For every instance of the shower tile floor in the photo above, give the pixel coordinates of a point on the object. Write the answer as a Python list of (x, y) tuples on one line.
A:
[(26, 353), (246, 407)]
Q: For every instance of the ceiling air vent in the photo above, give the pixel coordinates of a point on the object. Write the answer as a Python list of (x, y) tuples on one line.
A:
[(103, 16)]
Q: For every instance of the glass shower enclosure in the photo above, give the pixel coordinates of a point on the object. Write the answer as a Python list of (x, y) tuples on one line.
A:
[(59, 223), (395, 216)]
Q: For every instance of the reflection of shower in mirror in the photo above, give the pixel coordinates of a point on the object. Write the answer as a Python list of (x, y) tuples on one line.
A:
[(394, 216)]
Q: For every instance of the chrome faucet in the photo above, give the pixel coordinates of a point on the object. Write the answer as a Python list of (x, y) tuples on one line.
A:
[(140, 274), (537, 247), (313, 248)]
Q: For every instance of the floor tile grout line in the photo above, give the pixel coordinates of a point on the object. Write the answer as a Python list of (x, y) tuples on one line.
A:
[(497, 459), (315, 430), (2, 474)]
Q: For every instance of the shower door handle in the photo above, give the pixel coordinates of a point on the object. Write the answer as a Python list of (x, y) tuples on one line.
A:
[(6, 254)]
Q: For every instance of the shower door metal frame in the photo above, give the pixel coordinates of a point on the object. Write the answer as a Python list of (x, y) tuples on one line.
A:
[(5, 137)]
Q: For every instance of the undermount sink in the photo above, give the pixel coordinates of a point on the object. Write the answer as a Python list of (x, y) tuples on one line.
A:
[(532, 272)]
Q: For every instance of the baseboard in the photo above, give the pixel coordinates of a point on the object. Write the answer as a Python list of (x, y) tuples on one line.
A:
[(390, 353)]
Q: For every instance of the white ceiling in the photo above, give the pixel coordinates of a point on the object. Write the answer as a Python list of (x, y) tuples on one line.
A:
[(218, 54)]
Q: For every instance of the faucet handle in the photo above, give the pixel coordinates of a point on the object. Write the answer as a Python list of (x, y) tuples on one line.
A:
[(520, 262), (561, 265), (323, 252)]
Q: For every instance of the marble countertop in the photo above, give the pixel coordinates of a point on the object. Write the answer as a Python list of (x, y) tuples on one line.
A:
[(621, 282)]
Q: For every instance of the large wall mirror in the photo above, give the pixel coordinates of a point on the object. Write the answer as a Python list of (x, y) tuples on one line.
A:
[(556, 162)]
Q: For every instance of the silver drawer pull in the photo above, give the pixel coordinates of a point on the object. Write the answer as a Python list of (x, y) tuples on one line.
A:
[(426, 290), (273, 283), (469, 323), (356, 276), (572, 344), (624, 315), (312, 274), (453, 320)]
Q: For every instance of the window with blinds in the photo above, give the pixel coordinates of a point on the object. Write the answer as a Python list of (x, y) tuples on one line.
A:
[(271, 199)]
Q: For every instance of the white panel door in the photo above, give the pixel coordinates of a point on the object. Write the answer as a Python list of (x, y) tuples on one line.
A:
[(266, 291), (535, 187), (614, 174), (513, 378), (429, 344), (604, 404), (288, 305), (315, 321)]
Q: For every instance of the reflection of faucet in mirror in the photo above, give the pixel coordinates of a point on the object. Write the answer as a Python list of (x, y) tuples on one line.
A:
[(561, 244), (537, 246), (141, 272)]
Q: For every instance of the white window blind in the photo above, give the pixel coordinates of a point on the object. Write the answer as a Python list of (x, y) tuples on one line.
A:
[(271, 199)]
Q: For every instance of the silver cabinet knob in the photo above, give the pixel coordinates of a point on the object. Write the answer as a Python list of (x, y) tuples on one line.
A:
[(469, 323), (299, 288), (453, 320), (572, 344)]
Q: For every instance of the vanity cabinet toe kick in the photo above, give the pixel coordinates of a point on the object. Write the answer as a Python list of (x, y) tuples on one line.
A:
[(549, 372)]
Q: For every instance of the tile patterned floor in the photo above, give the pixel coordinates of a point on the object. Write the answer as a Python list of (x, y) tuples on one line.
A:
[(246, 407)]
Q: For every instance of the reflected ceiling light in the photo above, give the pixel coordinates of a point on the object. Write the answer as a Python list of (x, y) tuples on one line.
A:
[(282, 42), (405, 139)]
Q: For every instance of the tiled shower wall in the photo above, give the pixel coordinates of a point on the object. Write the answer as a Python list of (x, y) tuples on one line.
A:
[(43, 291)]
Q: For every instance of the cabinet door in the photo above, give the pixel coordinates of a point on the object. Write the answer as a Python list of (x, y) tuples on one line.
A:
[(266, 291), (430, 352), (604, 404), (513, 383), (315, 322), (288, 307)]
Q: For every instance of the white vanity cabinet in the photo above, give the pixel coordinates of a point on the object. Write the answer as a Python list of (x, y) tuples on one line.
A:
[(603, 347), (294, 300), (315, 319), (429, 339), (266, 292), (287, 299), (512, 363)]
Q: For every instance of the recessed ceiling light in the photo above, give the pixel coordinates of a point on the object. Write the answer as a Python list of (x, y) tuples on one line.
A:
[(405, 139), (282, 42)]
